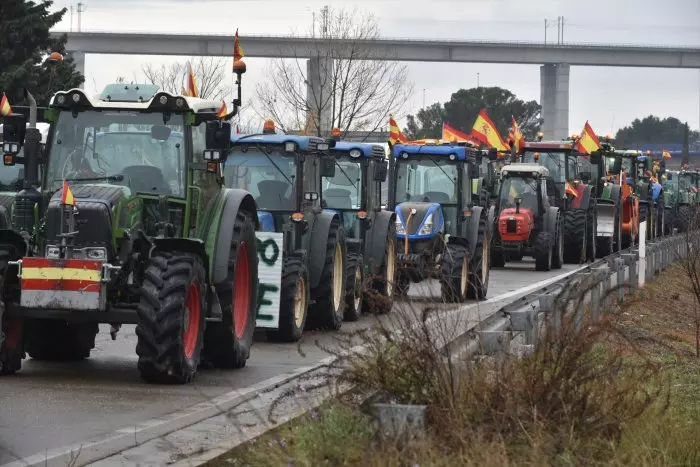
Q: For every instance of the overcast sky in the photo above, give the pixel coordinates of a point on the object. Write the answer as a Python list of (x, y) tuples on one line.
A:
[(608, 97)]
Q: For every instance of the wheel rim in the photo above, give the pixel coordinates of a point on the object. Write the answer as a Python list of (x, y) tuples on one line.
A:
[(337, 275), (463, 278), (241, 291), (485, 260), (390, 268), (357, 293), (300, 302), (193, 309)]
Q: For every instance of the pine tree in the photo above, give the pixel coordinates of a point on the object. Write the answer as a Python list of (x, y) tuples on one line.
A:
[(25, 43)]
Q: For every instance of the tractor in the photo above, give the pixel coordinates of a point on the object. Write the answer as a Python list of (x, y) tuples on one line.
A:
[(130, 224), (574, 196), (354, 192), (441, 231), (680, 199), (645, 178), (528, 221), (307, 243)]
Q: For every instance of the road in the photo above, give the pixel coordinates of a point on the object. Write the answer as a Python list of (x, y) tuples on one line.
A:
[(49, 405)]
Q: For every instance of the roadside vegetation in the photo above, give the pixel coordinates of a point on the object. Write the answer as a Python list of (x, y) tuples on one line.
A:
[(622, 391)]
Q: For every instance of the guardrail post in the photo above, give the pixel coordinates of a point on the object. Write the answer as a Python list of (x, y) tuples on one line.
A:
[(631, 261), (650, 262), (603, 277), (620, 269), (547, 307), (525, 320), (595, 296)]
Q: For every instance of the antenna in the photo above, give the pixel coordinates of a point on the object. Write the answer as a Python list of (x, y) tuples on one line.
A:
[(81, 8)]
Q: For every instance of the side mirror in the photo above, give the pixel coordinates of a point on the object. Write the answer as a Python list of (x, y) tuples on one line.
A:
[(474, 172), (379, 172), (160, 132), (617, 166), (551, 189), (479, 157), (327, 167), (585, 177), (13, 129), (218, 135), (493, 154), (595, 158)]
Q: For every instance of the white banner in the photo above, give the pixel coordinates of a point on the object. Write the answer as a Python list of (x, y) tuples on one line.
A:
[(270, 253)]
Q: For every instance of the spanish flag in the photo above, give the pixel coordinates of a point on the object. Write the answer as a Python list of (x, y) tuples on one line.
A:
[(237, 49), (5, 108), (191, 84), (223, 111), (588, 143), (485, 131), (518, 139), (67, 195), (451, 134), (665, 154), (185, 93), (395, 135), (570, 190)]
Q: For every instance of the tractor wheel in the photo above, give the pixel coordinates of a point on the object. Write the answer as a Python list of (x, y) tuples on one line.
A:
[(294, 301), (11, 345), (171, 317), (354, 287), (575, 238), (385, 284), (558, 248), (329, 296), (683, 218), (227, 343), (479, 267), (592, 223), (543, 251), (59, 341), (454, 283)]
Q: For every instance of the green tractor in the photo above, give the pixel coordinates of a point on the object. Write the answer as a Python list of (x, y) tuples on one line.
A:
[(130, 224), (680, 199)]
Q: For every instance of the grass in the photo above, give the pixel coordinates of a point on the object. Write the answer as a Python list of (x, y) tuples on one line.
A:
[(621, 392)]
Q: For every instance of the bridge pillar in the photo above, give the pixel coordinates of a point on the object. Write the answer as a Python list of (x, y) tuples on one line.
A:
[(79, 60), (554, 98), (319, 84)]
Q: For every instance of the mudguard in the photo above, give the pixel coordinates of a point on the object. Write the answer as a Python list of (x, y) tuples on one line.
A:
[(375, 244), (552, 217), (491, 219), (186, 245), (235, 201), (317, 244), (473, 227)]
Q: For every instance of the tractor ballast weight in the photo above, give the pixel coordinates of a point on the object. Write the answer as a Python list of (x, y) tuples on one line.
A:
[(303, 247), (441, 229), (528, 221), (168, 248)]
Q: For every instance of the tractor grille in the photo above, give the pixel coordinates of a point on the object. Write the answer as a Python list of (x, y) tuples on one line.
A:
[(511, 225)]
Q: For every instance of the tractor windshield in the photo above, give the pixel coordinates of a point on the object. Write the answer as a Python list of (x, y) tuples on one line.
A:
[(517, 187), (554, 161), (344, 189), (685, 182), (428, 179), (90, 144), (268, 176)]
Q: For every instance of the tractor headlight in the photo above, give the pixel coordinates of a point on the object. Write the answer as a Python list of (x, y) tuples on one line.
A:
[(52, 252), (290, 146), (399, 227), (212, 155), (427, 225), (355, 153), (323, 147)]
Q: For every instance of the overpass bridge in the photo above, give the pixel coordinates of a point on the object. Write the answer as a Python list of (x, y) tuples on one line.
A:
[(555, 60)]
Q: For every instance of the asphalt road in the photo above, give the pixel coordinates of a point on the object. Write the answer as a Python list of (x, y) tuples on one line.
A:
[(49, 405)]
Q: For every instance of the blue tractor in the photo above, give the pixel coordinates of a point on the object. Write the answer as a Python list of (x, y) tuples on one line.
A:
[(354, 192), (442, 229), (301, 246)]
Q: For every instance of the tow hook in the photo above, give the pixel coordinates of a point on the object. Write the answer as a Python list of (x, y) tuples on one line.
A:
[(113, 330)]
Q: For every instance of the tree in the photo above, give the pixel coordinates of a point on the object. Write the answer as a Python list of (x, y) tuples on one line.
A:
[(25, 43), (349, 89), (210, 74), (463, 107), (654, 130)]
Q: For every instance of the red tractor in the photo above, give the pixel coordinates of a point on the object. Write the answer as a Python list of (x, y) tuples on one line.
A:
[(528, 223)]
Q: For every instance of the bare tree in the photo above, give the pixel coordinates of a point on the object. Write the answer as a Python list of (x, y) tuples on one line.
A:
[(692, 264), (345, 85), (211, 75)]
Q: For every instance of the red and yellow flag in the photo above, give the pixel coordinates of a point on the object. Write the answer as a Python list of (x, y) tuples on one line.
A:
[(485, 131), (223, 111), (517, 135), (395, 135), (5, 108), (588, 142), (237, 49), (67, 195), (451, 134), (570, 190), (184, 92), (665, 154), (191, 84)]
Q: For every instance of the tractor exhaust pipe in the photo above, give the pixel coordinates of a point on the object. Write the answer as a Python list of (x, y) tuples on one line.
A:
[(29, 196)]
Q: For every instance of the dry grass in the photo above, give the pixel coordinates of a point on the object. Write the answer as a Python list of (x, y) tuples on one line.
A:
[(623, 391)]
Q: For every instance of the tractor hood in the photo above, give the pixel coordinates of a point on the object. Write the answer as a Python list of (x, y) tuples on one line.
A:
[(425, 222)]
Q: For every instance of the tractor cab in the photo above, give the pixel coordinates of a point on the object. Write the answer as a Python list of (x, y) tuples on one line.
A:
[(563, 163), (526, 191)]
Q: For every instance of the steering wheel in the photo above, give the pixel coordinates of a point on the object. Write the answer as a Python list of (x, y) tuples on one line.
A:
[(81, 167)]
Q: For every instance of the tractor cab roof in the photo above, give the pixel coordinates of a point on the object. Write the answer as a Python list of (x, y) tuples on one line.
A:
[(460, 153), (304, 143), (522, 169), (549, 145), (359, 149)]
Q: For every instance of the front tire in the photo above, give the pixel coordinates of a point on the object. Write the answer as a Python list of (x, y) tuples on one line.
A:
[(479, 267), (543, 251), (329, 296), (354, 287), (294, 301), (575, 238), (454, 282), (171, 318)]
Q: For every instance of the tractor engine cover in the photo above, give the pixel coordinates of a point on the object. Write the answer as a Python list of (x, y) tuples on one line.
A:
[(515, 227)]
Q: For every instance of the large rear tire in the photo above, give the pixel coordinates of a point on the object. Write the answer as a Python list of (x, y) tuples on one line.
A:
[(171, 318), (11, 342), (227, 343), (294, 301), (56, 340), (479, 265), (354, 287), (329, 296), (543, 251), (454, 283), (575, 236)]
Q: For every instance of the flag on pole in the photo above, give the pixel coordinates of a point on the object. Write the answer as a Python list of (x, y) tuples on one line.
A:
[(666, 154), (237, 49), (67, 195), (395, 135), (485, 131), (184, 92), (588, 142), (451, 134), (191, 83), (5, 108), (223, 111), (518, 139)]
